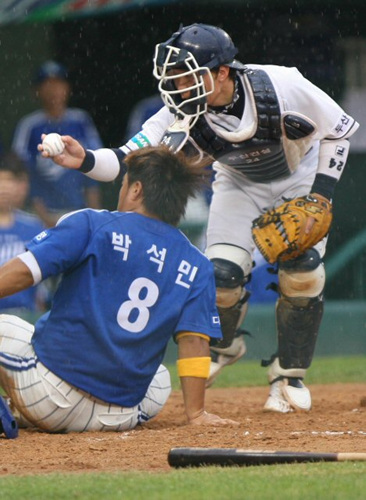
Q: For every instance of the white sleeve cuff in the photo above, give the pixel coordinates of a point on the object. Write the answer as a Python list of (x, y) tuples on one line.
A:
[(106, 166), (30, 261)]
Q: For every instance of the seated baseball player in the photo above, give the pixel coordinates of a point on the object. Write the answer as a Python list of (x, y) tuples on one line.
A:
[(130, 282)]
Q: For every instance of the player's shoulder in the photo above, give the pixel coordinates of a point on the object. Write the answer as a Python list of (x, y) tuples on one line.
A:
[(86, 214), (77, 114), (32, 119), (274, 69), (28, 218)]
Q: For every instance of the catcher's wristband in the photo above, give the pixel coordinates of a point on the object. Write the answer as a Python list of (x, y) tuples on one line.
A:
[(101, 165), (324, 185), (194, 367)]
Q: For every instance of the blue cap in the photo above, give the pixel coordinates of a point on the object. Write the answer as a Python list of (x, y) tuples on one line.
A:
[(50, 69)]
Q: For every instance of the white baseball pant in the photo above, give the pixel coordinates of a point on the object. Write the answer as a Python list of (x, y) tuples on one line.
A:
[(47, 402), (237, 201)]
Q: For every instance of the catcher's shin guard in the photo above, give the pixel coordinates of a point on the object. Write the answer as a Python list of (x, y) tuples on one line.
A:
[(232, 347), (8, 424), (231, 319), (298, 321), (231, 297)]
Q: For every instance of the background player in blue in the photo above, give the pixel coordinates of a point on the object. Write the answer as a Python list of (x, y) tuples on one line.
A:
[(131, 281), (16, 229), (55, 191)]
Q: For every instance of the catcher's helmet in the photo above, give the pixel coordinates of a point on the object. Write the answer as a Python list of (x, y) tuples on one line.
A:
[(195, 50)]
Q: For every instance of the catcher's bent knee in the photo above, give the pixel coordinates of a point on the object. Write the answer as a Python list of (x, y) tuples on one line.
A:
[(232, 266), (303, 276), (15, 332)]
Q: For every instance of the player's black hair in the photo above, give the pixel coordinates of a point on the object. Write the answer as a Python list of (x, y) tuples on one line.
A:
[(10, 162), (168, 180)]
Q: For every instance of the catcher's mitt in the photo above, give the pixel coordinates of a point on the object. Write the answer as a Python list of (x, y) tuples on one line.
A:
[(287, 231)]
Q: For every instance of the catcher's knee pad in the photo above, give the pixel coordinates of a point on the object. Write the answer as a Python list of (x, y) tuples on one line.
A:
[(298, 321), (303, 276), (232, 266)]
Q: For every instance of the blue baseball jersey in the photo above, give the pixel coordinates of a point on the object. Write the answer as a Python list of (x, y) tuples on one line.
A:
[(12, 242), (129, 284), (58, 188)]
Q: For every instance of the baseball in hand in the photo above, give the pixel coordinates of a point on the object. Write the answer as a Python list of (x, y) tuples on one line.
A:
[(53, 144)]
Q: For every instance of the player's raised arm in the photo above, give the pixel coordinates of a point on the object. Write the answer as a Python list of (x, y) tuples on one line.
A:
[(193, 369), (102, 164), (105, 164)]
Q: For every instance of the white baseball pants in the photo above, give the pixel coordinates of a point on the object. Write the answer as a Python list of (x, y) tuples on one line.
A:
[(47, 402)]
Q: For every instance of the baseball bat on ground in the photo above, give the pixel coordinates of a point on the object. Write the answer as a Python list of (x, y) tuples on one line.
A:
[(197, 457)]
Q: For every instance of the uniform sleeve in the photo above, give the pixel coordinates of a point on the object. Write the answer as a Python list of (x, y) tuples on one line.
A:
[(106, 164), (20, 139), (64, 246), (152, 130), (300, 95)]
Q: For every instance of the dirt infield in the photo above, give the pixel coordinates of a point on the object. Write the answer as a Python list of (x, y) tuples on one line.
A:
[(337, 423)]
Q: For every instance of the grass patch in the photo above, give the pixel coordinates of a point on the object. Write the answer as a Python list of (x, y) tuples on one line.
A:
[(328, 481), (325, 370)]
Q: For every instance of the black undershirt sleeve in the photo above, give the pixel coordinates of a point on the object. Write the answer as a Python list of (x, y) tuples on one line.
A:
[(324, 185)]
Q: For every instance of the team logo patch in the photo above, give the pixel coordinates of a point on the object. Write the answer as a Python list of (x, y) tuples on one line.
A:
[(41, 236), (141, 140), (343, 124), (215, 320)]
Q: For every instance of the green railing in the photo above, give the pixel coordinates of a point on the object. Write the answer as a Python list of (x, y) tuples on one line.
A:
[(353, 252)]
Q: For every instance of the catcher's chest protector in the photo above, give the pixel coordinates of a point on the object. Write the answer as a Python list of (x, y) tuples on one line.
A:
[(261, 158)]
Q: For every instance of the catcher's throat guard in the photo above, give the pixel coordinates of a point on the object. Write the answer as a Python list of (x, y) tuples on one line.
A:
[(177, 134)]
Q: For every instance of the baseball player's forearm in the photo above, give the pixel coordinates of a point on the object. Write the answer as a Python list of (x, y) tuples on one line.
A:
[(333, 156), (193, 368), (102, 164), (15, 276), (193, 389)]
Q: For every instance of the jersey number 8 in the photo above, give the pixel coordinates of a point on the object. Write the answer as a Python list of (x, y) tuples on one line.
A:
[(138, 304)]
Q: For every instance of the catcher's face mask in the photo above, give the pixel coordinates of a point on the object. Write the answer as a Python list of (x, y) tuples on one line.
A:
[(195, 51), (182, 82)]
